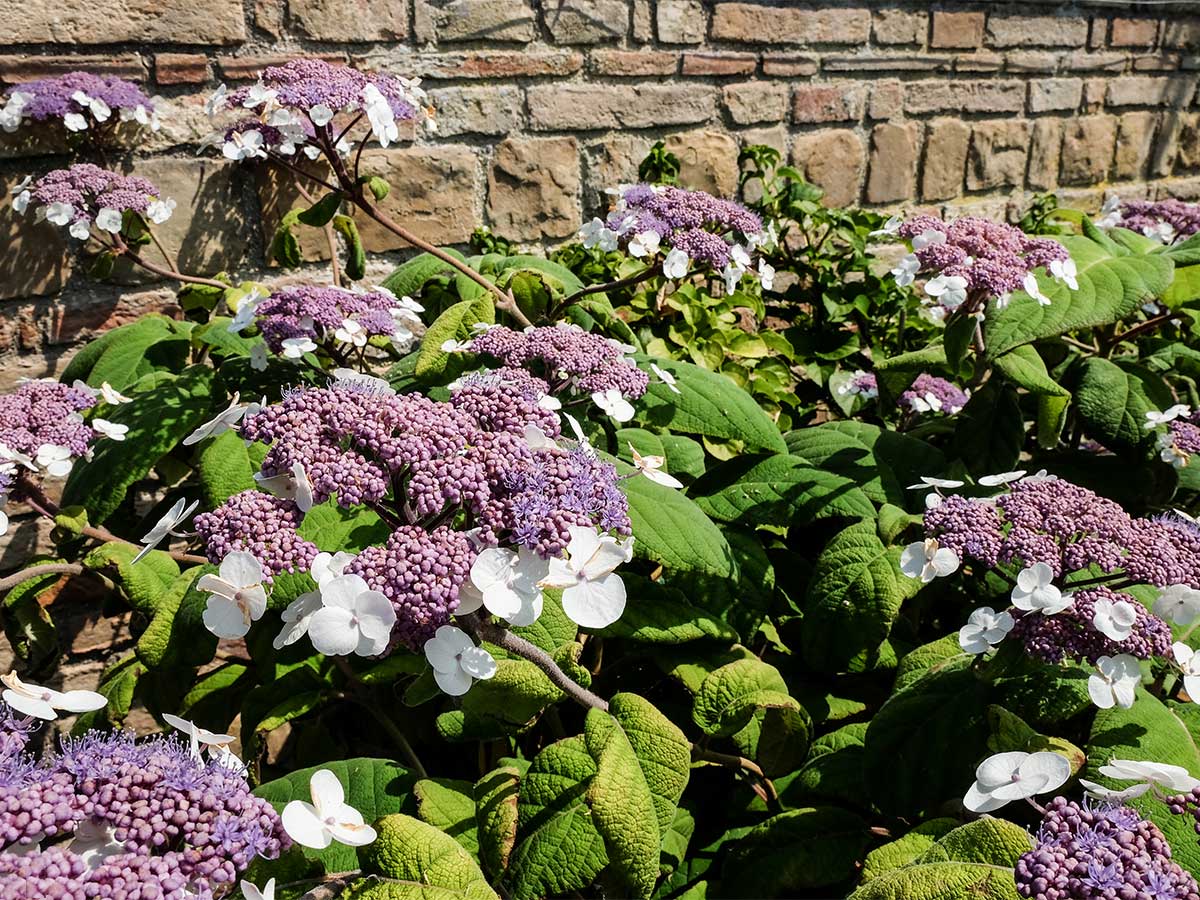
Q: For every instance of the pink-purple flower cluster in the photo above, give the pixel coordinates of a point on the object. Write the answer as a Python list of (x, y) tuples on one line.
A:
[(261, 525), (84, 195), (321, 313), (1100, 851), (506, 399), (931, 394), (159, 822), (1168, 220), (1072, 634), (45, 412), (566, 357), (79, 100)]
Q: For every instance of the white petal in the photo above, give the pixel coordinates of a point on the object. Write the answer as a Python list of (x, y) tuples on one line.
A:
[(224, 618), (304, 826), (455, 683), (79, 701), (1101, 692), (492, 567), (30, 706), (595, 604), (353, 834), (333, 632), (242, 569), (979, 802), (327, 792), (1052, 768), (478, 663), (343, 591)]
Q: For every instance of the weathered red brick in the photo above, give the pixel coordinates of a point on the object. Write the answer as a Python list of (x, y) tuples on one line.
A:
[(964, 96), (180, 68), (14, 69), (790, 66), (1023, 30), (631, 63), (719, 63), (898, 26), (751, 23), (501, 64), (892, 173), (841, 102), (1133, 32), (956, 29)]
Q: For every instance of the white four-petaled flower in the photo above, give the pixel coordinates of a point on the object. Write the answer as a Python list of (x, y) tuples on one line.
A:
[(950, 291), (328, 818), (1171, 777), (675, 264), (45, 703), (1030, 284), (906, 270), (927, 560), (220, 423), (1035, 591), (1154, 418), (1188, 661), (55, 460), (985, 629), (1064, 270), (293, 485), (296, 347), (665, 377), (238, 595), (651, 468), (178, 512), (353, 618), (112, 430), (593, 595), (456, 661), (1114, 681), (200, 738), (251, 892), (613, 403), (1015, 775), (1179, 603), (507, 584), (1114, 619)]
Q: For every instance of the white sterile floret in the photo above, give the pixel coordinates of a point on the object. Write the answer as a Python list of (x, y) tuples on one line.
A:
[(614, 404), (296, 618), (293, 485), (1064, 270), (1001, 479), (247, 309), (1178, 603), (112, 430), (109, 220), (45, 703), (59, 213), (55, 460), (456, 661), (928, 238), (766, 274), (351, 332), (1188, 661), (1035, 591), (294, 348), (160, 210), (320, 115), (258, 357), (353, 618), (665, 377), (1100, 792), (22, 195), (93, 843), (248, 144), (251, 892), (175, 516), (890, 227), (327, 818), (220, 423), (950, 291), (536, 439), (112, 396), (593, 594), (1115, 680), (1114, 619), (927, 560), (201, 739), (379, 114), (1154, 418), (452, 345), (506, 583), (596, 234), (675, 264), (75, 122), (1015, 775), (1030, 284), (985, 629), (906, 270), (238, 596), (1110, 212), (732, 273), (1165, 775), (651, 468), (644, 243)]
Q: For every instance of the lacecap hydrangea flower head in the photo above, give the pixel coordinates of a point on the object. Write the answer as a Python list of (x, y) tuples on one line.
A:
[(80, 101), (84, 196), (1167, 221), (686, 229)]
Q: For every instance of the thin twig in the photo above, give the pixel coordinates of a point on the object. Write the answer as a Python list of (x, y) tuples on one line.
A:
[(738, 762), (7, 584), (161, 249), (644, 275), (1138, 330)]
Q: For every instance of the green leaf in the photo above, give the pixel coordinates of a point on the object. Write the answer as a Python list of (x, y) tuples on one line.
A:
[(27, 625), (117, 683), (285, 249), (854, 596), (378, 187), (375, 787), (507, 703), (157, 422), (1110, 288), (660, 614), (408, 279), (1025, 368), (1112, 399), (796, 851), (956, 339), (428, 862), (225, 468), (709, 404), (448, 804), (834, 770), (179, 637), (663, 752), (154, 644), (623, 809), (729, 696), (672, 529), (1150, 731), (454, 324), (496, 817), (146, 582), (121, 354), (319, 214), (778, 490), (990, 431), (989, 840), (897, 373), (905, 850), (333, 528), (356, 255), (933, 656)]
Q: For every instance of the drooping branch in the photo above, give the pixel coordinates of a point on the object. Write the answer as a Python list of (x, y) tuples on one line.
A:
[(7, 584)]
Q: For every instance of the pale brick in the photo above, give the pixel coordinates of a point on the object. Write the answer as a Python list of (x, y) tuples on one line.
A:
[(500, 64), (1133, 32), (1157, 62), (1032, 62), (964, 96), (610, 162), (1135, 137), (474, 20), (756, 101), (832, 160), (1166, 145), (579, 107), (477, 110), (707, 161), (892, 174), (1094, 90), (1087, 149), (956, 29), (841, 102), (1049, 94), (1044, 153), (681, 21), (586, 21), (754, 24), (1188, 159), (1098, 35), (349, 21), (1036, 31), (632, 63), (123, 21), (898, 26), (887, 100), (269, 16), (1137, 90), (997, 155), (719, 63), (180, 68), (533, 188), (946, 144), (433, 194), (15, 69), (643, 21), (790, 66), (891, 62), (979, 61), (1083, 61), (37, 256)]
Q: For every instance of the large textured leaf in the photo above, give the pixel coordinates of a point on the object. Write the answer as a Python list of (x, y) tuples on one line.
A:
[(409, 278), (225, 468), (146, 582), (729, 696), (662, 751), (496, 817), (118, 682), (834, 770), (1024, 367), (854, 596), (333, 528), (659, 614), (708, 403), (120, 356), (27, 625), (670, 528), (1110, 287), (1113, 399), (1154, 732), (777, 490), (795, 851), (166, 410), (905, 850), (433, 363), (423, 859), (990, 431), (507, 703), (448, 804), (375, 787), (883, 463)]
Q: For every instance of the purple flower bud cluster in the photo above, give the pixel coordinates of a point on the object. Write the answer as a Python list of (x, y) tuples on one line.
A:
[(993, 257), (565, 356), (175, 823), (1182, 436), (1187, 805), (316, 312), (261, 525), (691, 221), (1163, 550), (45, 412), (1070, 634), (931, 394), (93, 98), (420, 572), (1170, 220), (506, 399), (76, 196), (1100, 852)]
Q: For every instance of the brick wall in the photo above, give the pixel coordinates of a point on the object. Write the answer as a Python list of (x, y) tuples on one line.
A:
[(542, 104)]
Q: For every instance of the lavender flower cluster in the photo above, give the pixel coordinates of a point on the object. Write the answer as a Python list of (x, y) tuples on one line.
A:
[(40, 421), (295, 318), (1167, 220), (931, 394), (1180, 440), (565, 357), (298, 105), (109, 817), (85, 194), (1072, 634), (79, 100), (973, 259), (1100, 851), (259, 524)]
